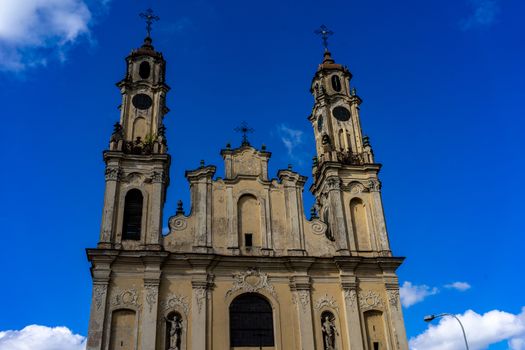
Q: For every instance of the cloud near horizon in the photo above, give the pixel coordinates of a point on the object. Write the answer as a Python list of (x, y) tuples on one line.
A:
[(482, 330), (32, 32), (42, 338)]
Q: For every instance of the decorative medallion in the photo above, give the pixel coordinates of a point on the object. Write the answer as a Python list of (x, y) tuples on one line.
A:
[(318, 227), (177, 223), (175, 301), (370, 300), (251, 281), (326, 301), (125, 297)]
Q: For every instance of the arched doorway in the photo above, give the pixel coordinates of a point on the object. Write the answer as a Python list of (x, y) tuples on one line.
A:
[(251, 322)]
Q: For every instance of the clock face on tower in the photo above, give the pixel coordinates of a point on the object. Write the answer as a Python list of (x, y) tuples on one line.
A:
[(141, 101), (341, 113)]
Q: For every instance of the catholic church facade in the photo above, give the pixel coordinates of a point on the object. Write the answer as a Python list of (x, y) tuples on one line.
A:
[(245, 268)]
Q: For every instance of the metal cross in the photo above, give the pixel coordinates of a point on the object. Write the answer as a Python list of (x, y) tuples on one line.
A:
[(244, 129), (149, 17), (324, 32)]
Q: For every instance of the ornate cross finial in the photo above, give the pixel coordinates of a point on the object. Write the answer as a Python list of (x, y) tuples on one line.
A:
[(244, 129), (149, 17), (324, 32)]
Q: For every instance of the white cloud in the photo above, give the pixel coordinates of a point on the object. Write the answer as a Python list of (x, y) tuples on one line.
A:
[(290, 137), (461, 286), (483, 15), (482, 330), (412, 294), (35, 337), (33, 31)]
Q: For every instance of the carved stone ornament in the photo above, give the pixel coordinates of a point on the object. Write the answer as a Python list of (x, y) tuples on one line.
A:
[(151, 296), (177, 223), (393, 297), (158, 177), (326, 301), (134, 179), (125, 297), (177, 302), (251, 281), (356, 187), (113, 174), (200, 295), (98, 292), (350, 296), (302, 297), (374, 185), (318, 227), (370, 300), (333, 183)]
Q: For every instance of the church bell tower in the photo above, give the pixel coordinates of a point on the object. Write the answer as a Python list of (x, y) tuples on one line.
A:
[(137, 165)]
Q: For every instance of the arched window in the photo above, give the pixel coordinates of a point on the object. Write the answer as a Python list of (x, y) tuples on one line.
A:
[(132, 215), (251, 321), (144, 70), (375, 330), (249, 221), (123, 333), (336, 83), (360, 224)]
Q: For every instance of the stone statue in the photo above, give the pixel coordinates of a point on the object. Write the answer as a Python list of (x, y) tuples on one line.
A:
[(329, 333), (175, 332)]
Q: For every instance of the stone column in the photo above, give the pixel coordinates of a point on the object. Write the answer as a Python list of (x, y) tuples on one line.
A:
[(300, 287), (108, 213), (337, 216), (101, 272), (150, 296), (396, 317), (353, 323)]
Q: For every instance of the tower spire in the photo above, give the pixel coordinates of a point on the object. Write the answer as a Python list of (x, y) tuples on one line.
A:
[(149, 17), (324, 33)]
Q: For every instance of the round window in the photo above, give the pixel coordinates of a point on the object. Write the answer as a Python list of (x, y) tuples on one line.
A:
[(341, 113)]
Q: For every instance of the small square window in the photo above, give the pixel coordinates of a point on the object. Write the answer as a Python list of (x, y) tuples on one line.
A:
[(248, 239)]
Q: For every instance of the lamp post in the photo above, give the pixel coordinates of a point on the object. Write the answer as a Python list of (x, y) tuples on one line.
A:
[(433, 317)]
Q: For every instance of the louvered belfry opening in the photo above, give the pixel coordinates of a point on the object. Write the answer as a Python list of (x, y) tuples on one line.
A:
[(132, 215), (251, 321)]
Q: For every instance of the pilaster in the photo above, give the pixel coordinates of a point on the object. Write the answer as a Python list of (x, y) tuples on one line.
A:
[(112, 175), (396, 315), (293, 185), (201, 289), (301, 289), (152, 274), (337, 216), (101, 274)]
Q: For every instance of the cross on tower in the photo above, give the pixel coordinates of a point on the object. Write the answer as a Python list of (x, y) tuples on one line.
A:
[(149, 17), (244, 129), (324, 32)]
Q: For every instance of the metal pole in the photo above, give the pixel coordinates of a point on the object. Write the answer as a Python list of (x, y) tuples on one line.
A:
[(462, 329)]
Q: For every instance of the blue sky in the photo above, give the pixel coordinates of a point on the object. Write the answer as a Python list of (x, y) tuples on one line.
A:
[(443, 84)]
